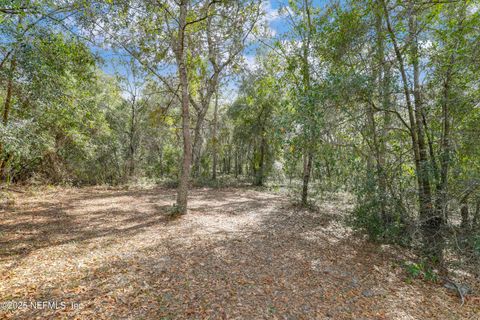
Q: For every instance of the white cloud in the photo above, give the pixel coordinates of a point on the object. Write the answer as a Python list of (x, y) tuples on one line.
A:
[(250, 62), (271, 14)]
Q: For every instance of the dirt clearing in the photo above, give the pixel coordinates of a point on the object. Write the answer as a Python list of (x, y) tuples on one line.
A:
[(103, 253)]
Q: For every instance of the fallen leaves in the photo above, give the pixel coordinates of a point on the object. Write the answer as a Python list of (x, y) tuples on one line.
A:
[(242, 254)]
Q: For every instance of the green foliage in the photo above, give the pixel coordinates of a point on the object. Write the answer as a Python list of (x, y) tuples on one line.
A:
[(419, 270), (255, 115), (367, 215), (55, 127)]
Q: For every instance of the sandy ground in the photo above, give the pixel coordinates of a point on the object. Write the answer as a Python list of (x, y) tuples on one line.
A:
[(100, 253)]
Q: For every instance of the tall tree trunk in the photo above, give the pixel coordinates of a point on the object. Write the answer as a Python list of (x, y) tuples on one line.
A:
[(406, 91), (6, 110), (379, 174), (183, 186), (132, 147), (430, 223), (382, 77), (308, 152), (214, 140), (442, 186), (212, 87)]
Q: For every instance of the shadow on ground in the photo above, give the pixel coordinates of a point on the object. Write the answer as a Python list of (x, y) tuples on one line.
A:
[(238, 254)]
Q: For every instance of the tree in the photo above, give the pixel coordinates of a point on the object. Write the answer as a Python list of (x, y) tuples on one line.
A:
[(35, 51), (254, 114), (297, 50), (226, 30), (164, 34)]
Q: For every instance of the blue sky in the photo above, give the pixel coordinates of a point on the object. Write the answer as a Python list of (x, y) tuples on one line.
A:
[(278, 25), (277, 22)]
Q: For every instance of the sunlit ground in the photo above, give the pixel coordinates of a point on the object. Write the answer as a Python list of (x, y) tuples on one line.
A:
[(238, 254)]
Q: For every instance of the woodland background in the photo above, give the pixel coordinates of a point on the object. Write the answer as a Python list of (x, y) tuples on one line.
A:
[(377, 98)]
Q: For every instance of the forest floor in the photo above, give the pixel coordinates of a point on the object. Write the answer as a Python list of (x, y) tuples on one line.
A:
[(105, 253)]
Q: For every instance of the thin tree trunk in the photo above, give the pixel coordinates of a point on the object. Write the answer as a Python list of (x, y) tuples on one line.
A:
[(406, 90), (198, 142), (430, 223), (160, 158), (380, 180), (465, 224), (240, 163), (260, 171), (236, 162), (214, 140), (476, 217), (212, 87), (384, 93), (229, 160), (131, 164), (307, 168), (442, 188), (308, 153), (6, 110), (183, 186), (8, 99)]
